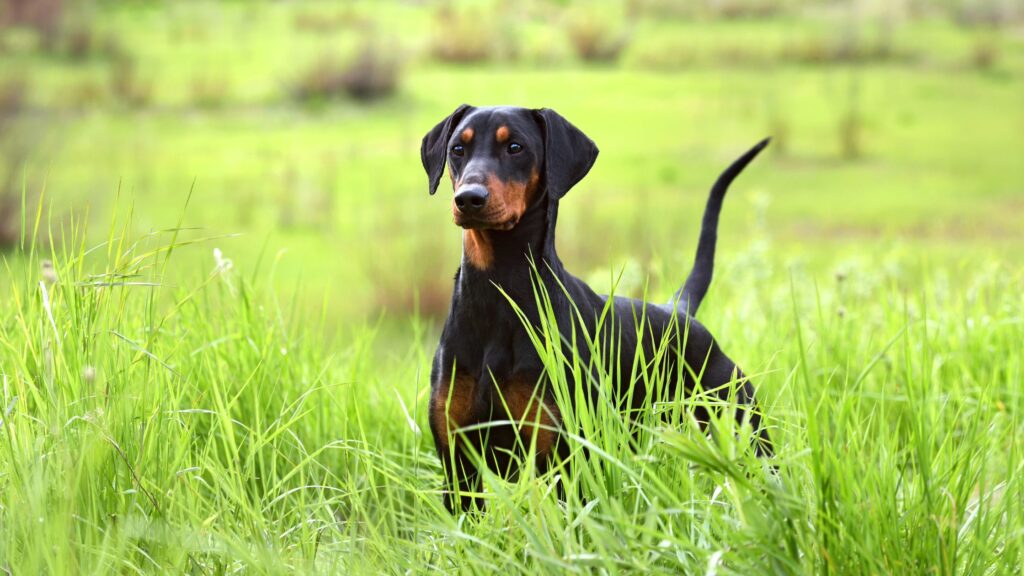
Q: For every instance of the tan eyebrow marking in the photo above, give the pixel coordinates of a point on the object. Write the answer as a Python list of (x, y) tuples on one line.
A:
[(467, 135), (502, 133)]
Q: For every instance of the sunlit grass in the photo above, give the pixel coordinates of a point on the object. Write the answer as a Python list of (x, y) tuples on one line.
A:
[(203, 426)]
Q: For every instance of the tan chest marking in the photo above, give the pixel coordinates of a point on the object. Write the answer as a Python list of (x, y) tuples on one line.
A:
[(451, 407), (536, 418)]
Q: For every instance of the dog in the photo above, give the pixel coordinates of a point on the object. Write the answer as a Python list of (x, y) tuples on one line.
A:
[(509, 169)]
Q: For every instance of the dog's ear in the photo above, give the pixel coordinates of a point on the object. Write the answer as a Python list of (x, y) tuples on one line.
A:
[(434, 149), (568, 152)]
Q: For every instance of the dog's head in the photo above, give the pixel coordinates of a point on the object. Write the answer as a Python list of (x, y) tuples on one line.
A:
[(503, 160)]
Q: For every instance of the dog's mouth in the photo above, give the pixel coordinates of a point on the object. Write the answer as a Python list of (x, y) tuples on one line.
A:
[(481, 224), (503, 220)]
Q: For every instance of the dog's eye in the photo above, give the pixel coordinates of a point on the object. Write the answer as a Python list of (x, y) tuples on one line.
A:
[(458, 150), (514, 148)]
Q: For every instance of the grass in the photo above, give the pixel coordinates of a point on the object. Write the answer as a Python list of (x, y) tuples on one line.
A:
[(201, 428)]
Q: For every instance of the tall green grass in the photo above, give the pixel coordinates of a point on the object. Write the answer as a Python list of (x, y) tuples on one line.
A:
[(159, 419)]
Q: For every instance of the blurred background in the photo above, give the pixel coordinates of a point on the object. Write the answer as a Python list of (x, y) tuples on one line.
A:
[(295, 126)]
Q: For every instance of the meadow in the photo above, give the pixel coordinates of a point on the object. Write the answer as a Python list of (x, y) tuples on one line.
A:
[(223, 287)]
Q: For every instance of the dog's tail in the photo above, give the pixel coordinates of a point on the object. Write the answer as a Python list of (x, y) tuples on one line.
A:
[(696, 286)]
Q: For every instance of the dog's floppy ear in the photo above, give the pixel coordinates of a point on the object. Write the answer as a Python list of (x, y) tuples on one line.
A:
[(568, 152), (434, 149)]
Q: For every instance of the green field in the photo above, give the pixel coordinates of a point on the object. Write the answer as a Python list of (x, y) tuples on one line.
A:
[(164, 411)]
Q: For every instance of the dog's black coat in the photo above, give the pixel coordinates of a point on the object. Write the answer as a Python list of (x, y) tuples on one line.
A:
[(486, 368)]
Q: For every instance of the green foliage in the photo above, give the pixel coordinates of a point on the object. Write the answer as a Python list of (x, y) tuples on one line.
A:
[(371, 74), (16, 147), (464, 35), (199, 427), (596, 35), (128, 83)]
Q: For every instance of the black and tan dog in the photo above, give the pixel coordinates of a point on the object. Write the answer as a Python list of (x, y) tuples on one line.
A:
[(509, 168)]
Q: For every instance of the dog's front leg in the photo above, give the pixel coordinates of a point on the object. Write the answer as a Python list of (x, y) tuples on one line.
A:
[(449, 414), (462, 487)]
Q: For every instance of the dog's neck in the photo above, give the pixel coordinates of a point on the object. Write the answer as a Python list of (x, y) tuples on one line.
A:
[(503, 256)]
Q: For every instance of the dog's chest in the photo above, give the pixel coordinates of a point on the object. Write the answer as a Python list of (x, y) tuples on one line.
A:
[(487, 377), (511, 413)]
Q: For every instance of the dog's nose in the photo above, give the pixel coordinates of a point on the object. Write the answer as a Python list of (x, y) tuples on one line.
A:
[(471, 199)]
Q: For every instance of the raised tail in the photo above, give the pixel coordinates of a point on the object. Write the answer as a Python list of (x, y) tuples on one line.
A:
[(696, 286)]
